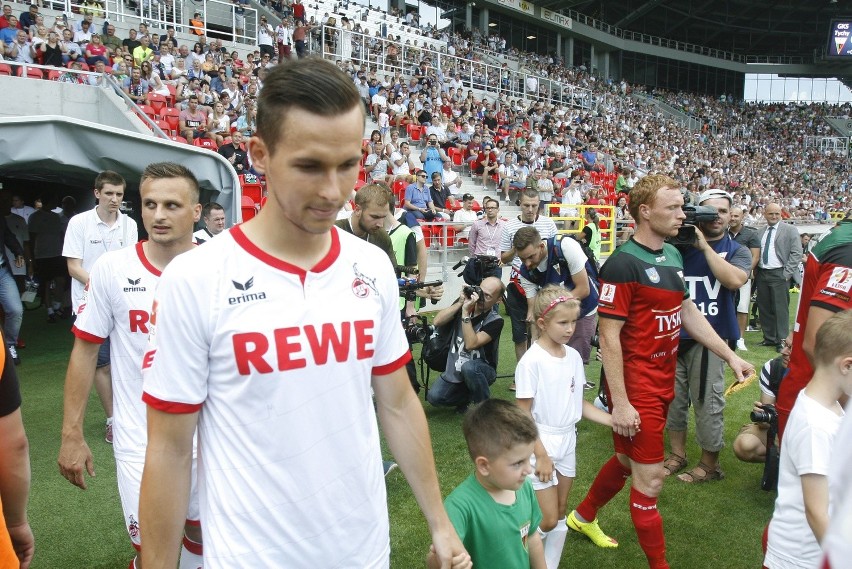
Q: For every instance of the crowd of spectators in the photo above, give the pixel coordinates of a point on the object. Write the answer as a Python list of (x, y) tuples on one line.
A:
[(756, 151), (224, 82)]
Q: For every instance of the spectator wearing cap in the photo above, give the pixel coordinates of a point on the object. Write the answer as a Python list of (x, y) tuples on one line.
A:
[(714, 267), (464, 217)]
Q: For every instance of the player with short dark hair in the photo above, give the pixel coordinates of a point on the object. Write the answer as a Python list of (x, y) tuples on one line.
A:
[(270, 339), (117, 305)]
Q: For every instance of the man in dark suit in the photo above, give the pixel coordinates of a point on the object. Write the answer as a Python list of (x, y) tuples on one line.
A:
[(780, 254)]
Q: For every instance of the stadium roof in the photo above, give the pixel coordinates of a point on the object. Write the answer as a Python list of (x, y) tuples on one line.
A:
[(747, 27)]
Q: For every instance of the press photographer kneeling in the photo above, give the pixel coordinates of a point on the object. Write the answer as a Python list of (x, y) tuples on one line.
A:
[(753, 442), (472, 361)]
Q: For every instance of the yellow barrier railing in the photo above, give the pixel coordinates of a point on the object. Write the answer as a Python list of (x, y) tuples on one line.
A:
[(572, 224)]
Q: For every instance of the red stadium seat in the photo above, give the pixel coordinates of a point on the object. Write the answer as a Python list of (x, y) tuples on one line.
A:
[(5, 69), (254, 192), (399, 191), (172, 116), (359, 184), (251, 188), (149, 111), (205, 143), (157, 102), (83, 65), (172, 98), (32, 73), (54, 74), (453, 204), (414, 132), (248, 207), (455, 155), (164, 126), (180, 139)]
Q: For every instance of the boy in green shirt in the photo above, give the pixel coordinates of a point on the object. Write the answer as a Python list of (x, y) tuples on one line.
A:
[(495, 511)]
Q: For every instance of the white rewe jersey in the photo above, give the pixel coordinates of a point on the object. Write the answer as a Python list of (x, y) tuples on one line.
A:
[(117, 304), (279, 361)]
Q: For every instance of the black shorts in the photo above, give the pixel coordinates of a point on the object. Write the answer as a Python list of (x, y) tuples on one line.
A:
[(50, 268)]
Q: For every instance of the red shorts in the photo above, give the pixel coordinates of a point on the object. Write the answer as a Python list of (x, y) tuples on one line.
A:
[(646, 446)]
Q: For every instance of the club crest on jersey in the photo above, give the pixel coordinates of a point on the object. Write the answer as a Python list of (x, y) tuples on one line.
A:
[(133, 527), (134, 286), (362, 285), (247, 296), (653, 275), (840, 279)]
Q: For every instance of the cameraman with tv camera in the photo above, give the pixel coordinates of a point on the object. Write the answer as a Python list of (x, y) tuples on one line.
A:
[(714, 267), (756, 442), (474, 345)]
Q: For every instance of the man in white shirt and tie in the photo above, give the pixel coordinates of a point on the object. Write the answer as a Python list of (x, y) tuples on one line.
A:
[(780, 254)]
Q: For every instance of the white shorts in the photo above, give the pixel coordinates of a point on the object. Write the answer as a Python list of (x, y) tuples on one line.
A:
[(745, 297), (562, 450), (129, 477)]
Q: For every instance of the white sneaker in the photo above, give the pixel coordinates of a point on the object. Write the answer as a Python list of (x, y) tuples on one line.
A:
[(741, 345)]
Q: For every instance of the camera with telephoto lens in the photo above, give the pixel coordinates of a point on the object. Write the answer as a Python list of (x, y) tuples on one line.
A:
[(470, 290), (767, 414), (477, 268), (417, 329), (695, 214)]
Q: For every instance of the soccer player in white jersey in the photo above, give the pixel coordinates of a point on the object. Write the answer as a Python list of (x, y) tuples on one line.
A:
[(269, 339), (117, 305)]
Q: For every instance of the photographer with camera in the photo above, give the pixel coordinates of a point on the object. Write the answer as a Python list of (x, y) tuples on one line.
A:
[(714, 268), (433, 156), (472, 361), (752, 441), (560, 260)]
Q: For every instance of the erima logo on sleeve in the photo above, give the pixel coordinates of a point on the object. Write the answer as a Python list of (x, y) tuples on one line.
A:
[(134, 286), (247, 296)]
